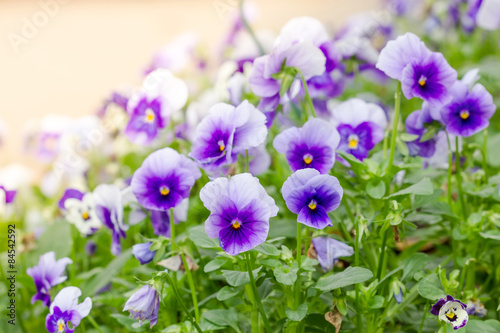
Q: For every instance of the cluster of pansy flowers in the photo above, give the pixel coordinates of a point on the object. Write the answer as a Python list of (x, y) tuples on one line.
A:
[(304, 67)]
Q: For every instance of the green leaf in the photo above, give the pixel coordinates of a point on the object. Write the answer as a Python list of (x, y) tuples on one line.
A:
[(214, 264), (376, 302), (407, 137), (105, 276), (222, 317), (270, 262), (415, 263), (129, 323), (491, 234), (430, 287), (60, 231), (267, 249), (201, 239), (351, 275), (286, 275), (237, 278), (297, 315), (375, 189), (487, 326), (423, 187), (227, 292)]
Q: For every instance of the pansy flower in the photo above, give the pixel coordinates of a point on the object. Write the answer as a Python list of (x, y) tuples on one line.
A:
[(65, 312), (144, 305), (329, 250), (164, 179), (423, 73), (151, 107), (240, 210), (226, 132), (312, 196), (361, 126), (142, 253), (415, 125), (79, 209), (451, 311), (47, 274), (469, 110), (109, 210), (311, 146)]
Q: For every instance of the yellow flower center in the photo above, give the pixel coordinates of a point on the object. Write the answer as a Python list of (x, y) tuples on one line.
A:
[(451, 316), (312, 205), (353, 141), (422, 82), (308, 159), (61, 327), (150, 116), (464, 114), (85, 216), (236, 225), (222, 146), (164, 190)]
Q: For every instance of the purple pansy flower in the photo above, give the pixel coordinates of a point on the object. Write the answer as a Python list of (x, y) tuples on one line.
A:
[(469, 110), (142, 253), (143, 305), (9, 195), (361, 126), (312, 195), (161, 219), (422, 73), (65, 309), (226, 132), (79, 209), (150, 108), (164, 179), (296, 50), (476, 308), (46, 275), (240, 210), (415, 125), (451, 311), (329, 250), (109, 210), (488, 16), (311, 146)]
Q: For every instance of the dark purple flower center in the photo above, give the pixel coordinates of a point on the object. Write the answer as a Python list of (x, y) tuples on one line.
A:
[(426, 81)]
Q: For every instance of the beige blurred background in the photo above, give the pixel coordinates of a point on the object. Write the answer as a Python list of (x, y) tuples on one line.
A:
[(87, 49)]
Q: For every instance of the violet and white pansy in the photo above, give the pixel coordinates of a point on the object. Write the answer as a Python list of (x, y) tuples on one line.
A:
[(451, 311), (79, 209)]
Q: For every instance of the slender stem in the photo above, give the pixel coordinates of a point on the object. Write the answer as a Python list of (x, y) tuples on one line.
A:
[(359, 321), (94, 323), (249, 29), (307, 97), (172, 227), (247, 162), (382, 254), (256, 295), (426, 308), (176, 292), (459, 181), (385, 144), (397, 111), (191, 286), (450, 165), (445, 327), (485, 154), (299, 261)]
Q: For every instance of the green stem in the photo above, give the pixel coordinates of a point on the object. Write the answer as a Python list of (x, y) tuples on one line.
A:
[(256, 295), (176, 292), (426, 308), (172, 227), (397, 111), (307, 97), (191, 286), (459, 181), (359, 321), (94, 323), (386, 144), (247, 162), (249, 29), (382, 254), (450, 165), (485, 154), (299, 261), (445, 327)]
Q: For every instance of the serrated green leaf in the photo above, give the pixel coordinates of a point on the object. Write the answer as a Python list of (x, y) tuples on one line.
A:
[(375, 189), (423, 187), (286, 275), (430, 287), (227, 292), (298, 314), (237, 278), (268, 249), (351, 275), (214, 264), (201, 239)]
